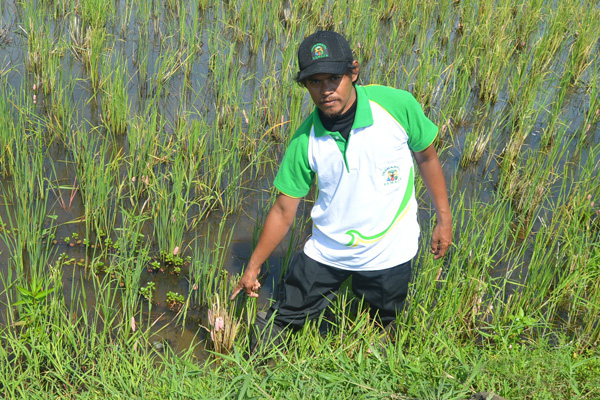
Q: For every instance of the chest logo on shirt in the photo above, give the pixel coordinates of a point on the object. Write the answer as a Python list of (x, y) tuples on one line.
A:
[(391, 175)]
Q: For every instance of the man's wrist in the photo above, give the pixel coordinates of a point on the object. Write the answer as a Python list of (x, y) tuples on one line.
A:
[(444, 219), (253, 267)]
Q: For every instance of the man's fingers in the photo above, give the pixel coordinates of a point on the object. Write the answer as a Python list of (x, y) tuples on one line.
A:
[(434, 248), (440, 241), (235, 293), (441, 250), (253, 292), (435, 245), (249, 292)]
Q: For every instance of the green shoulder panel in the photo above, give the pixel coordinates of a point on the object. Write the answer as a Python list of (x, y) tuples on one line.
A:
[(408, 112), (295, 177)]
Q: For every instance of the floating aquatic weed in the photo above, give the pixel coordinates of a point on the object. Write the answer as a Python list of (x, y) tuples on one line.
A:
[(147, 291), (174, 300)]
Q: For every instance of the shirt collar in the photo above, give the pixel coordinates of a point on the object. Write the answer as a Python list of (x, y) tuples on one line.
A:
[(363, 117)]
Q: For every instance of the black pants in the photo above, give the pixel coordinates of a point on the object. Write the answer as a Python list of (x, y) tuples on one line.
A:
[(312, 285)]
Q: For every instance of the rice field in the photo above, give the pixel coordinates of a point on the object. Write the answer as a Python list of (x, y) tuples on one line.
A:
[(138, 143)]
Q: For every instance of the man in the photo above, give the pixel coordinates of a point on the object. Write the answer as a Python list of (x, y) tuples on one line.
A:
[(357, 146)]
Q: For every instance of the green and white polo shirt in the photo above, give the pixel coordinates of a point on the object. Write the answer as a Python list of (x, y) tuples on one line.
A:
[(365, 214)]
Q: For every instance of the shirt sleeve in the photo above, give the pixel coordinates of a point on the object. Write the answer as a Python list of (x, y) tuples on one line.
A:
[(403, 106), (295, 176), (421, 130)]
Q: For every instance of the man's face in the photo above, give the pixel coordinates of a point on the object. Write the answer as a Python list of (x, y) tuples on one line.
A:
[(332, 94)]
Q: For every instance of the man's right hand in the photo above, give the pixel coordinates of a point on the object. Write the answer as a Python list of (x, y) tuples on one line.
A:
[(248, 283)]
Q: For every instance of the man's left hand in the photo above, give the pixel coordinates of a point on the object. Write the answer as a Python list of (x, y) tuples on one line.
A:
[(441, 240)]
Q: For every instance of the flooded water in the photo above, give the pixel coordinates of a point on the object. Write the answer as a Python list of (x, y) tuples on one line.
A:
[(193, 93)]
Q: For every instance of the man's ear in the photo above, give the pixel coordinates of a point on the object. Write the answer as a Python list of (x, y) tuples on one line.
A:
[(356, 70)]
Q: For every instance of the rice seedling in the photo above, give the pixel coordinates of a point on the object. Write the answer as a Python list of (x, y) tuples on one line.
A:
[(27, 236), (129, 258), (495, 43), (28, 195), (143, 144), (166, 67), (454, 98), (97, 167), (93, 54), (526, 186), (173, 6), (171, 203), (546, 47), (207, 276), (115, 99), (585, 41), (140, 59), (592, 114), (524, 117), (25, 231), (60, 112), (522, 82), (183, 35), (477, 139), (242, 20), (143, 15), (124, 12), (7, 130), (427, 78), (191, 41), (43, 53), (77, 35), (61, 8), (95, 13)]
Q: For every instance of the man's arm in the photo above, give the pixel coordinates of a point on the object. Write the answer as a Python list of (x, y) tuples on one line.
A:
[(433, 177), (278, 222)]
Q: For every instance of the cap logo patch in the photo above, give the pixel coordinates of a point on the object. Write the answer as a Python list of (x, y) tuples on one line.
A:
[(319, 50)]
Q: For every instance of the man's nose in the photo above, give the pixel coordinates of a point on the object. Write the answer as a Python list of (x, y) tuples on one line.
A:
[(327, 87)]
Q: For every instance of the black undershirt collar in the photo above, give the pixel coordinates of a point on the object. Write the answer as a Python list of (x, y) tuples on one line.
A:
[(341, 124)]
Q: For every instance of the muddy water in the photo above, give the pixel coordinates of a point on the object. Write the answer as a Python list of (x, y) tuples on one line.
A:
[(476, 181)]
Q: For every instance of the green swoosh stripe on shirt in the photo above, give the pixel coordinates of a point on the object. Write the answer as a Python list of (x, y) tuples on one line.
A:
[(357, 237)]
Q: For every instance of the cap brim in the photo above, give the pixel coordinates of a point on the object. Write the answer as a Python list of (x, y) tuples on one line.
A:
[(323, 67)]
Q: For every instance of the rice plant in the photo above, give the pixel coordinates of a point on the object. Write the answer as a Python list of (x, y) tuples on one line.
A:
[(97, 173), (115, 99), (7, 130)]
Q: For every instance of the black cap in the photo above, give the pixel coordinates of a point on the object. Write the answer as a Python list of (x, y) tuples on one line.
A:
[(323, 52)]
